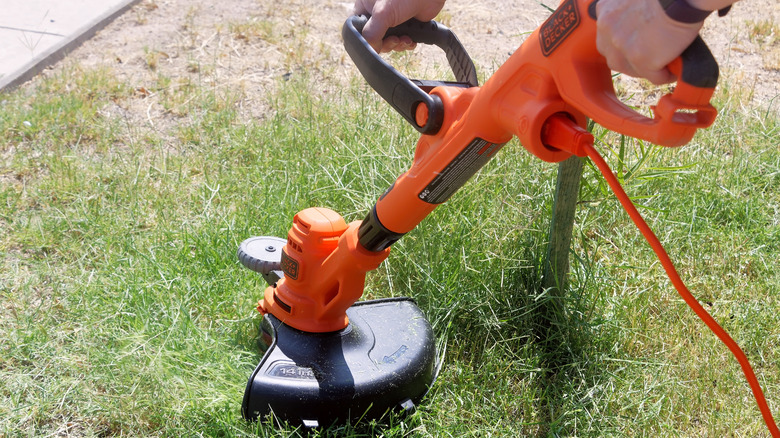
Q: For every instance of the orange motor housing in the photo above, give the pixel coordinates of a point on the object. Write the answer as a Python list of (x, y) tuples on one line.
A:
[(324, 272)]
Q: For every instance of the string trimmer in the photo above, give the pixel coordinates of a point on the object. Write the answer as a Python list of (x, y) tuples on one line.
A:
[(329, 359)]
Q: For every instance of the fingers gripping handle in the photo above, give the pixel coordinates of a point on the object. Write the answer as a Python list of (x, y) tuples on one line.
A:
[(434, 33), (695, 67), (399, 91)]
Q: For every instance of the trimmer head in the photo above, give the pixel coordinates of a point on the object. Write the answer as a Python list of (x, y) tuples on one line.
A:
[(384, 360)]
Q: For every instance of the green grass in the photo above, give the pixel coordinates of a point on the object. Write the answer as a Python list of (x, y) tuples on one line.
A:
[(124, 310)]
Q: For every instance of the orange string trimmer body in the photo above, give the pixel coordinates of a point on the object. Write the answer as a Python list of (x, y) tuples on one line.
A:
[(549, 87), (543, 94)]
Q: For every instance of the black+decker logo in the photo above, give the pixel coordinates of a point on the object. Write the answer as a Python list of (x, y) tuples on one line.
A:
[(289, 266), (559, 26)]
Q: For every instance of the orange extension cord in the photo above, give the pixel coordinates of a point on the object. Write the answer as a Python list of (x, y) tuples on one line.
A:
[(683, 290)]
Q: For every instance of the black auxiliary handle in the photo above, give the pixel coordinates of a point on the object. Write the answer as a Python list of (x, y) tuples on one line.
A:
[(400, 92)]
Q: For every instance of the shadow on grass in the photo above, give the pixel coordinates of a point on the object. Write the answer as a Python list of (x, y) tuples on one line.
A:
[(559, 339), (564, 345), (567, 346)]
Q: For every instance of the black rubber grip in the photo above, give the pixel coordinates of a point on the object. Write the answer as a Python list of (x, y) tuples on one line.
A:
[(373, 236), (400, 92), (699, 67), (433, 33)]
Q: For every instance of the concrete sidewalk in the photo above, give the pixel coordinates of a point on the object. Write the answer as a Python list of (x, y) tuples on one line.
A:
[(37, 33)]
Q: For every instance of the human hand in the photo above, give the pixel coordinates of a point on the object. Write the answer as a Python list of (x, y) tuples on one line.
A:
[(389, 13), (637, 38)]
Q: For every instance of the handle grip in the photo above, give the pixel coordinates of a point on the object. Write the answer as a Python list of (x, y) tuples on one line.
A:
[(696, 66), (401, 93), (697, 75), (677, 115)]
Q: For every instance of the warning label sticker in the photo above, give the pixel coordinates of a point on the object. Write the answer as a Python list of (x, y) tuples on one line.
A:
[(459, 170), (559, 26)]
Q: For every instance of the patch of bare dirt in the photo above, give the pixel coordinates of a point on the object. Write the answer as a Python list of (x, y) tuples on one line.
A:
[(247, 46)]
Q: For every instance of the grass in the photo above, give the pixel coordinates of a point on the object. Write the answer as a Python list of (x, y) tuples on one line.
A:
[(125, 312)]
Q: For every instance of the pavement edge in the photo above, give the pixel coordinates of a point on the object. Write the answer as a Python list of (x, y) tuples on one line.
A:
[(58, 52)]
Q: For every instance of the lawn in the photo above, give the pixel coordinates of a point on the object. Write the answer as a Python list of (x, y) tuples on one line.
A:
[(124, 310)]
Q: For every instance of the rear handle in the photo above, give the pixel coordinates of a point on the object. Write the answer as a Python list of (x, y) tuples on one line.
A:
[(678, 114), (697, 66)]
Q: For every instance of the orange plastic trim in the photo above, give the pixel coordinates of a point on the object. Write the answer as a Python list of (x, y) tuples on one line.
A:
[(318, 287)]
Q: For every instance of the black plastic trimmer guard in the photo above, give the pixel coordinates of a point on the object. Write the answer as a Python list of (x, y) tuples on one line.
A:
[(384, 360)]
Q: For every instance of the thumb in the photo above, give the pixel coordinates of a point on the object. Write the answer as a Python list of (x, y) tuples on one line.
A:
[(374, 31)]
